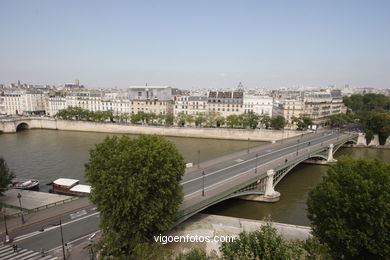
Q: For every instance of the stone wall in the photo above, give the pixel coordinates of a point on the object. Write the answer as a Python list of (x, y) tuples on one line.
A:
[(215, 133)]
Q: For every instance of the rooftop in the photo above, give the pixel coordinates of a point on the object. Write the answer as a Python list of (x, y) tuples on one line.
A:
[(65, 182)]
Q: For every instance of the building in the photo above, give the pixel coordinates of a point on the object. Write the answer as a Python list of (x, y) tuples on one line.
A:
[(190, 105), (261, 105), (318, 105), (149, 93), (226, 102)]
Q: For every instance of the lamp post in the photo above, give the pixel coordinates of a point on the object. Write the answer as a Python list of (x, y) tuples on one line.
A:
[(20, 204), (203, 183), (6, 228), (198, 159), (297, 146), (62, 236), (248, 146), (257, 155)]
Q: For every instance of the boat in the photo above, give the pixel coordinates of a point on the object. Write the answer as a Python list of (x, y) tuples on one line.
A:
[(24, 184)]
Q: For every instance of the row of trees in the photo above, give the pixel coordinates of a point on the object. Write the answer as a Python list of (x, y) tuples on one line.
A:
[(209, 119), (372, 111), (136, 188)]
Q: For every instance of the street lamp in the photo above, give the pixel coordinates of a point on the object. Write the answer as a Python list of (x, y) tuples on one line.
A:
[(257, 155), (62, 236), (248, 146), (297, 145), (20, 204), (203, 183), (5, 226)]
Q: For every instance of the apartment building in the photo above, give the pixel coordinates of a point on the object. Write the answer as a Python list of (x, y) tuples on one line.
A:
[(190, 105), (226, 102), (258, 104), (318, 105)]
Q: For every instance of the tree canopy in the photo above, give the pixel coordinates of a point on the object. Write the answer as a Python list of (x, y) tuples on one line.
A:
[(367, 102), (6, 175), (136, 188), (350, 209), (303, 122), (278, 122)]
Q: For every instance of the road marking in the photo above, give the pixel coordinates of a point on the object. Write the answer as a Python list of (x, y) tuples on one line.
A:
[(78, 214), (212, 173), (74, 241), (53, 227), (239, 160)]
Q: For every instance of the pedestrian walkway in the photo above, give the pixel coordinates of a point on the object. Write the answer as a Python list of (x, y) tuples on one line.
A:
[(8, 253)]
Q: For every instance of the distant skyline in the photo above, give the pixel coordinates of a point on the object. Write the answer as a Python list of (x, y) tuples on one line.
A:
[(196, 44)]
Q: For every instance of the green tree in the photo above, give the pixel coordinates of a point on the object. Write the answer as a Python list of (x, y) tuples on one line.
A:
[(350, 209), (278, 122), (181, 119), (302, 122), (232, 120), (263, 244), (367, 102), (190, 119), (200, 119), (6, 176), (211, 118), (136, 188), (169, 119), (250, 119), (266, 121), (369, 136)]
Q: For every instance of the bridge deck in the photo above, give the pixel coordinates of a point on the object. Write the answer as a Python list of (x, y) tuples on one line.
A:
[(227, 174)]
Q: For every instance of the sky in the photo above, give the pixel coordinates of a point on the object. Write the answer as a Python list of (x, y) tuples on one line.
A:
[(196, 44)]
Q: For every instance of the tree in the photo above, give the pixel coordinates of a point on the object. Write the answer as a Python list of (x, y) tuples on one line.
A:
[(261, 244), (181, 119), (338, 120), (278, 122), (369, 136), (266, 121), (211, 118), (168, 119), (349, 210), (232, 120), (302, 122), (6, 176), (136, 188), (250, 119), (200, 119)]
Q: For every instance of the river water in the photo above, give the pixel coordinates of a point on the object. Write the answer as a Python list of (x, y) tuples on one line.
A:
[(48, 154)]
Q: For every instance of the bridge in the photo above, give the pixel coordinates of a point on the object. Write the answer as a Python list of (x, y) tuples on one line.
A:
[(254, 173)]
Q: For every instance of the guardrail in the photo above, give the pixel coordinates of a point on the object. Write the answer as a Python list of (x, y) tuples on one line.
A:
[(28, 211)]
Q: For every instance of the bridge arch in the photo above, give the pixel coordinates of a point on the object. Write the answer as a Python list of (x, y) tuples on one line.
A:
[(22, 126)]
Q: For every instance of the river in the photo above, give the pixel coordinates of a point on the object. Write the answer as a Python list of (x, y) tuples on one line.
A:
[(48, 154)]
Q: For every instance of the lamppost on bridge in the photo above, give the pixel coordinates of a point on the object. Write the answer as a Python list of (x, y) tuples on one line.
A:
[(19, 196), (248, 146), (298, 145), (203, 183), (257, 155), (62, 236)]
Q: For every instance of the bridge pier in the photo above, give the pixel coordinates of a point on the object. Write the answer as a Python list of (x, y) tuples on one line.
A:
[(270, 194), (330, 154)]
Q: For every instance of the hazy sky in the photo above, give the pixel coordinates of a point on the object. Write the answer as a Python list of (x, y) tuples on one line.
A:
[(196, 43)]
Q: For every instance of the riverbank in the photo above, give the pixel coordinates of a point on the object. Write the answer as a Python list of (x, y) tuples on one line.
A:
[(12, 125)]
